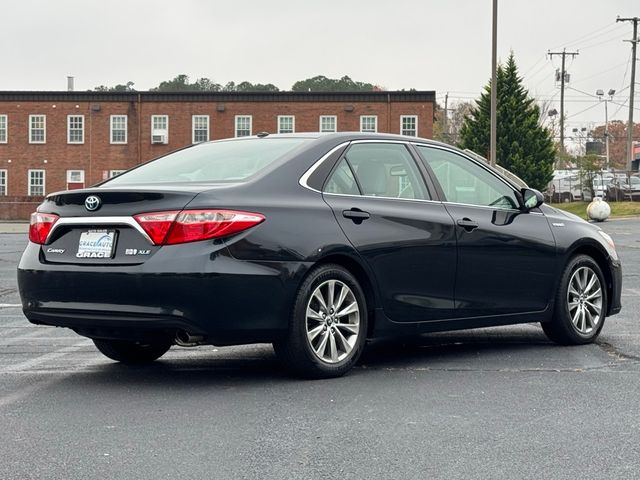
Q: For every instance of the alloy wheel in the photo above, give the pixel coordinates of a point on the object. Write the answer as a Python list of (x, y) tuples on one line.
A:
[(584, 300), (332, 321)]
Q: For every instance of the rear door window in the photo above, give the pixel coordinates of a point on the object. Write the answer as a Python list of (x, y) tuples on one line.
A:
[(386, 170)]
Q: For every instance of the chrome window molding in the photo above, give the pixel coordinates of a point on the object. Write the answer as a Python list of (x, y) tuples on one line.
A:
[(305, 178), (381, 198), (91, 221)]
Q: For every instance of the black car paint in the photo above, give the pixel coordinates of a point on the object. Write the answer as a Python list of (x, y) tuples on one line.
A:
[(240, 289)]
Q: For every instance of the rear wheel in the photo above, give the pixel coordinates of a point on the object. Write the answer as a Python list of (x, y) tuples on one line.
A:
[(328, 327), (130, 352), (580, 304)]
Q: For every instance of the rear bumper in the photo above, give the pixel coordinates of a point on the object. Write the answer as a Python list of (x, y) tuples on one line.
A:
[(228, 301)]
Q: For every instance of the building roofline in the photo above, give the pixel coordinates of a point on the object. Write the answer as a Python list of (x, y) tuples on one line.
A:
[(91, 96)]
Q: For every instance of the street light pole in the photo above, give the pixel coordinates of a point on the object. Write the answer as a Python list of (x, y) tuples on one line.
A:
[(606, 133), (600, 94)]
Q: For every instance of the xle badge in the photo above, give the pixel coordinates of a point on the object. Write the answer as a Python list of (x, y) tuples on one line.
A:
[(135, 251)]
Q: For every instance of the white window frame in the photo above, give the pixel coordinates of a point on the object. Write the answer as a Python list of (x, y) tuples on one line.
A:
[(375, 120), (75, 142), (115, 173), (166, 129), (238, 117), (4, 128), (44, 181), (402, 119), (335, 123), (70, 172), (193, 128), (44, 128), (4, 182), (126, 128), (293, 123)]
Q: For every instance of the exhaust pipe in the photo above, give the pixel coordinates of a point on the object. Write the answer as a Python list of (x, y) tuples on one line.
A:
[(185, 339)]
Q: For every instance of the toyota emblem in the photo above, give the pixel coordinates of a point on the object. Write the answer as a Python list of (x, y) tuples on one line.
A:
[(92, 203)]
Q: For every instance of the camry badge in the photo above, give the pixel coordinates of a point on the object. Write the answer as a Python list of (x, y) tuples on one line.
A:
[(92, 203)]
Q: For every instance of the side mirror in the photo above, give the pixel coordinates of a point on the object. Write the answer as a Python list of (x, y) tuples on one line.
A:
[(531, 198)]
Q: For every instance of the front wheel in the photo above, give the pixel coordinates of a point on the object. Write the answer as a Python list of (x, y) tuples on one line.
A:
[(130, 352), (328, 327), (580, 303)]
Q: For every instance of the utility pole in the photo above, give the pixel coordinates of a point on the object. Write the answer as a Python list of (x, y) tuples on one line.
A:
[(494, 86), (446, 115), (563, 74), (634, 44)]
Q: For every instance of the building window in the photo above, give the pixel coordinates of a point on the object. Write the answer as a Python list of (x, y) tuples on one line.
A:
[(409, 125), (37, 128), (118, 129), (75, 128), (3, 182), (369, 123), (36, 182), (328, 123), (200, 127), (243, 125), (115, 173), (3, 129), (160, 129), (75, 176), (286, 124)]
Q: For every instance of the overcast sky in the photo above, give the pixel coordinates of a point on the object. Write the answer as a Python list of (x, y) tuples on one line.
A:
[(423, 44)]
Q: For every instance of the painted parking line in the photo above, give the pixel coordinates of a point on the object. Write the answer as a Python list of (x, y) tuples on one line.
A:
[(47, 357), (21, 338), (10, 305), (18, 324), (631, 292)]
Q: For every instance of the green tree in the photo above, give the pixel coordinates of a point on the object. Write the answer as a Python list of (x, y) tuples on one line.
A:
[(589, 166), (320, 83), (127, 87), (523, 146)]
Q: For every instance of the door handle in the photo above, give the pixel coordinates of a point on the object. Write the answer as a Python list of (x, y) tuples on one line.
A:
[(356, 215), (468, 224)]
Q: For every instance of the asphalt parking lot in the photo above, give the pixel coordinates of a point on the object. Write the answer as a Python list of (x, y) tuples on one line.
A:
[(490, 403)]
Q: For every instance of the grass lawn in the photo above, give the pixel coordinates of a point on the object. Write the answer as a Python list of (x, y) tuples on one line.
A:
[(618, 209)]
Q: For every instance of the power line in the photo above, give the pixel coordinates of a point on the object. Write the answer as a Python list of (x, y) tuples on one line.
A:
[(582, 111), (601, 72), (611, 39), (609, 27)]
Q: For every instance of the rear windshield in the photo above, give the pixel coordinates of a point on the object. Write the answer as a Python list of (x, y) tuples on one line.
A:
[(230, 161)]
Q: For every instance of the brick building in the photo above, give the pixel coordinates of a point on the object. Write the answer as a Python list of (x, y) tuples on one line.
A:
[(52, 141)]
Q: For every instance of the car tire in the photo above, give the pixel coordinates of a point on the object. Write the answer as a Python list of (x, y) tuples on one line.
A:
[(130, 352), (580, 304), (328, 325)]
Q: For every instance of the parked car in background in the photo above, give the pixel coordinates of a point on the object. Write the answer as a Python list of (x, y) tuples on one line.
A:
[(625, 188), (567, 186)]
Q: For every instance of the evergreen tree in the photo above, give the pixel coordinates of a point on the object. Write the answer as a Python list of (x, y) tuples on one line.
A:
[(523, 147)]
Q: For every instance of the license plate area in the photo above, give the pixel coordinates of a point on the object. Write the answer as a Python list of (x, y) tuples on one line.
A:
[(96, 243)]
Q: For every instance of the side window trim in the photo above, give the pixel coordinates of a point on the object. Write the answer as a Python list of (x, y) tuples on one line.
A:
[(335, 167), (353, 172)]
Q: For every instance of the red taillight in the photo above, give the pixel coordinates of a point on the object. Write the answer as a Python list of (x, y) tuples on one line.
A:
[(169, 228), (156, 224), (40, 226)]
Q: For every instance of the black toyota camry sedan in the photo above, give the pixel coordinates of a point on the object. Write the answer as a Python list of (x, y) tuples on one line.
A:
[(314, 243)]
